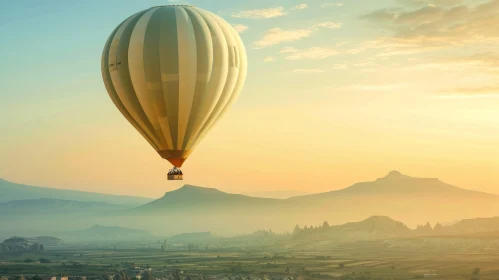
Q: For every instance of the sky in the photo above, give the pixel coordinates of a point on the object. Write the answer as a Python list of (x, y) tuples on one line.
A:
[(337, 92)]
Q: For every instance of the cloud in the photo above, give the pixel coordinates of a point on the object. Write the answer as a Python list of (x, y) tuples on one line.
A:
[(300, 7), (314, 53), (261, 13), (430, 2), (240, 28), (461, 96), (381, 87), (488, 91), (327, 24), (277, 36), (288, 50), (270, 59), (309, 71), (339, 67), (437, 26), (471, 91), (478, 62), (333, 4)]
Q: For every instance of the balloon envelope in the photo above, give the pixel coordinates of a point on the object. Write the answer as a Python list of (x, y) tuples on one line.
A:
[(173, 71)]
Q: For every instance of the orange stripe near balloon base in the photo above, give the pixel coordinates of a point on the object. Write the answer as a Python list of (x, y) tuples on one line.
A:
[(175, 157)]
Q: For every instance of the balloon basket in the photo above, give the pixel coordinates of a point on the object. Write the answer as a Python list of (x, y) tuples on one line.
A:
[(175, 174)]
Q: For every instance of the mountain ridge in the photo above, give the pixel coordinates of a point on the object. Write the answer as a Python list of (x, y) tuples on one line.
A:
[(17, 191)]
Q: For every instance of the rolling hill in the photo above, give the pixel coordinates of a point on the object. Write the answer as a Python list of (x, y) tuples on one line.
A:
[(412, 200), (404, 198), (192, 198), (396, 183), (12, 191), (44, 206)]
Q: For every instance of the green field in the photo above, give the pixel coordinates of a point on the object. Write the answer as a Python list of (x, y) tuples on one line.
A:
[(359, 260)]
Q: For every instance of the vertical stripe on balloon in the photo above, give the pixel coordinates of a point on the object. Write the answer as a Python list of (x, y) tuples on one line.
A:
[(137, 72), (219, 73), (204, 48), (187, 70), (169, 68)]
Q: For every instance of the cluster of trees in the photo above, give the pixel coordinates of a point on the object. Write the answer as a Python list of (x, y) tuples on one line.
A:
[(42, 260), (301, 232), (264, 233)]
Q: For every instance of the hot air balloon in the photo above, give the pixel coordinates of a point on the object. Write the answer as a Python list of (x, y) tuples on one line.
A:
[(173, 71)]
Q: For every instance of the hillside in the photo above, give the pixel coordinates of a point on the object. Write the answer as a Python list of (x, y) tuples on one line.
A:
[(45, 206), (374, 227), (192, 198), (13, 191), (197, 209), (470, 226), (396, 183)]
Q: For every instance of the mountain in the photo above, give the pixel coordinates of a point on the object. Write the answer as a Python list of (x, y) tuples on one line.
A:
[(46, 240), (12, 191), (426, 229), (20, 244), (196, 209), (44, 206), (396, 183), (375, 227), (277, 194), (409, 199), (471, 226), (192, 198)]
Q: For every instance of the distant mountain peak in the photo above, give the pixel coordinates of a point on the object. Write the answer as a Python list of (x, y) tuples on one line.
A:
[(190, 189), (394, 173)]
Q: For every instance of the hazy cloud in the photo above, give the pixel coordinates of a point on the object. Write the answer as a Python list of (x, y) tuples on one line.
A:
[(276, 36), (240, 28), (312, 54), (430, 2), (288, 50), (261, 13), (434, 27), (339, 66), (309, 71), (270, 59), (469, 92), (381, 87), (333, 4), (300, 7)]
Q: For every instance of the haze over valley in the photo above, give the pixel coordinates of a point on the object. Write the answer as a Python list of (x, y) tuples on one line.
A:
[(41, 211)]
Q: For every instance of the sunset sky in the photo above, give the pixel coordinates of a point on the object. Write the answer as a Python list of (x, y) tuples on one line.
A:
[(337, 92)]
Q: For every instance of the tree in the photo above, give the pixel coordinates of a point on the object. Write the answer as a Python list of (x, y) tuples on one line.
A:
[(177, 275), (325, 225), (43, 260), (147, 275)]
